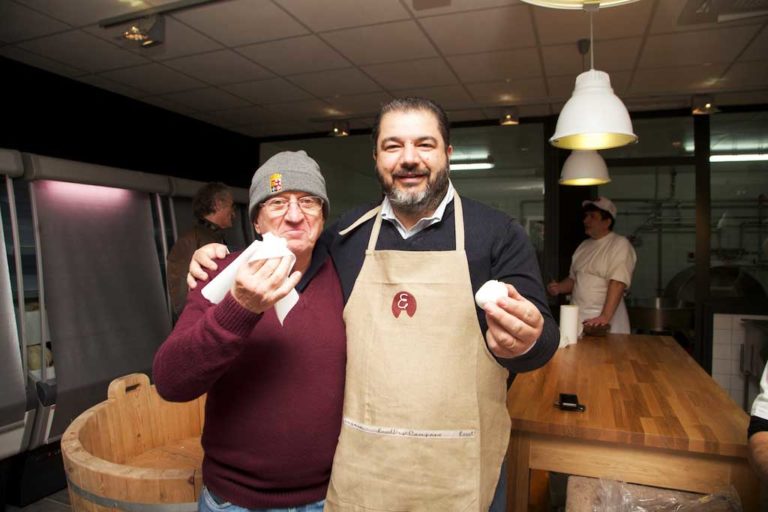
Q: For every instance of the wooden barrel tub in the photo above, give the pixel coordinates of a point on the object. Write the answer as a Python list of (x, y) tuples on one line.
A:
[(135, 452)]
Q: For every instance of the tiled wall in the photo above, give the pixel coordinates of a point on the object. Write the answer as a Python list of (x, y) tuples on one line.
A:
[(727, 340)]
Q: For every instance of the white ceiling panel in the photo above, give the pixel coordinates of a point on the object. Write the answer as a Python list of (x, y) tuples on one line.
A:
[(758, 48), (242, 116), (21, 23), (112, 86), (154, 79), (207, 99), (689, 48), (335, 82), (481, 31), (493, 66), (424, 8), (304, 110), (313, 60), (450, 96), (295, 55), (264, 92), (411, 74), (747, 74), (616, 54), (180, 40), (240, 22), (220, 67), (389, 42), (35, 60), (556, 26), (83, 51), (165, 103), (321, 16), (507, 93), (681, 79), (360, 104), (83, 12)]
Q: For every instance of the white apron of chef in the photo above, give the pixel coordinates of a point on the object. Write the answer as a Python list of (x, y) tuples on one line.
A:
[(589, 294), (425, 423)]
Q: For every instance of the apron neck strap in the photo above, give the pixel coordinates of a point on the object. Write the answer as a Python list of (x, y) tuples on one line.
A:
[(458, 213)]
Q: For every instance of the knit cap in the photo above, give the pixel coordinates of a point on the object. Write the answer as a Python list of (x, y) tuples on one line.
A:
[(285, 172)]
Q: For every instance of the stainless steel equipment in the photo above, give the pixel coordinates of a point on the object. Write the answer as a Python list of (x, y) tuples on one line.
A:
[(674, 311)]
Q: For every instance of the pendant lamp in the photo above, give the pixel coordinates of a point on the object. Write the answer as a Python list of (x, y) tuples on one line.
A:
[(585, 167), (594, 117)]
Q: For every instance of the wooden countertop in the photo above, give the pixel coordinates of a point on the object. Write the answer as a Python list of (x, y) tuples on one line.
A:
[(640, 390)]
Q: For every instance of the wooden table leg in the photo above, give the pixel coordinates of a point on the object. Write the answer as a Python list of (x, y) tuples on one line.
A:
[(518, 472)]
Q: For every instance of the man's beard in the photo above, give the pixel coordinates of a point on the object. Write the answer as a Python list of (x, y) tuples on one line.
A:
[(409, 202)]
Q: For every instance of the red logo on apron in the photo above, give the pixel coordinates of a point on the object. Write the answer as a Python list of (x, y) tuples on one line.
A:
[(403, 301)]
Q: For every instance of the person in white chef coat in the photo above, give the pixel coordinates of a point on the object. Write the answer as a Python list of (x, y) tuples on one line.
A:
[(601, 270)]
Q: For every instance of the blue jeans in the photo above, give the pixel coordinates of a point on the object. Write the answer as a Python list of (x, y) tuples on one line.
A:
[(499, 503), (207, 503)]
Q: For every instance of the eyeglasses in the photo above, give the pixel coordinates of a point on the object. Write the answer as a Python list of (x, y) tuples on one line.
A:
[(310, 205)]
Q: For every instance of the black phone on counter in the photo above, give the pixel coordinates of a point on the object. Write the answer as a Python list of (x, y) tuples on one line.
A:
[(570, 402)]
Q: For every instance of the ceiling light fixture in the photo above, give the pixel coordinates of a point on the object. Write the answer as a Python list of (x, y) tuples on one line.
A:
[(594, 117), (744, 157), (510, 117), (583, 168), (703, 105), (577, 4), (472, 164), (147, 32), (340, 129), (147, 27)]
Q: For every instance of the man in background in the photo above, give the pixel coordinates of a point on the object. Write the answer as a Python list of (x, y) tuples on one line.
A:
[(213, 207), (601, 270)]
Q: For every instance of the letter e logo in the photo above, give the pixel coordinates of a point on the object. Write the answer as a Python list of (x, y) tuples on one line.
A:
[(403, 301)]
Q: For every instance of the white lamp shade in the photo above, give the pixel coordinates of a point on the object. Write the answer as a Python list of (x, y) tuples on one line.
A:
[(584, 168), (594, 117), (576, 4)]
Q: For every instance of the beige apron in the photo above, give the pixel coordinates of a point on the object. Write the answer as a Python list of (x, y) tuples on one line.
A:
[(425, 423)]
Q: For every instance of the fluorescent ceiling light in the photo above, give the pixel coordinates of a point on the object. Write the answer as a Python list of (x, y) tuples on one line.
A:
[(753, 157), (472, 163)]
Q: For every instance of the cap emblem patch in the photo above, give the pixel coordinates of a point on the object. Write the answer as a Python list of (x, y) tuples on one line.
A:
[(275, 182)]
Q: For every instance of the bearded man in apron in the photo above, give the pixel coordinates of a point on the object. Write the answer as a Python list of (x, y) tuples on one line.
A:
[(601, 270), (425, 424), (425, 421)]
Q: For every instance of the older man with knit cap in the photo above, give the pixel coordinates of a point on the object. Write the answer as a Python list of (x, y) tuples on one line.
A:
[(275, 390)]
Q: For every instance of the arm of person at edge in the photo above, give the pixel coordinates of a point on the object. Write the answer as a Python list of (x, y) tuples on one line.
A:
[(208, 337), (758, 430), (612, 298), (521, 333)]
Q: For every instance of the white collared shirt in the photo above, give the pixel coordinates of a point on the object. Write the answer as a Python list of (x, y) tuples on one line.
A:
[(388, 214)]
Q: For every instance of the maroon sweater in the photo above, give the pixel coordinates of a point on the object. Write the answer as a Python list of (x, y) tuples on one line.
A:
[(273, 411)]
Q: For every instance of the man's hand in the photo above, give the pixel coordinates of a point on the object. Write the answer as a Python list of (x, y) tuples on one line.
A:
[(259, 284), (597, 321), (514, 324), (202, 259), (553, 288)]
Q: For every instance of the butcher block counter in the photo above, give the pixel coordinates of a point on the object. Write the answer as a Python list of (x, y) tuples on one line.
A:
[(653, 416)]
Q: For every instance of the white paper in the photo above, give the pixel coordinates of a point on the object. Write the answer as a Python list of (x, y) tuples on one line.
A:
[(569, 325), (271, 247)]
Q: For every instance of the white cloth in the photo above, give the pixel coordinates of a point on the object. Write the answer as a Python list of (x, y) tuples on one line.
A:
[(760, 405), (271, 247), (594, 264)]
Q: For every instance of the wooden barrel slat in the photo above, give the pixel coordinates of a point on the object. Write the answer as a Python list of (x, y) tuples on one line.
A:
[(135, 452)]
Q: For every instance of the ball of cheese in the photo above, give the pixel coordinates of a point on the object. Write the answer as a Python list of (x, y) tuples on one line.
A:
[(489, 292)]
